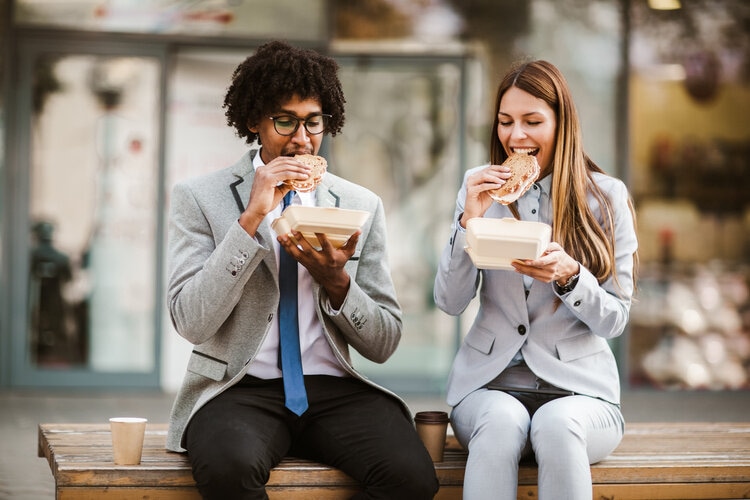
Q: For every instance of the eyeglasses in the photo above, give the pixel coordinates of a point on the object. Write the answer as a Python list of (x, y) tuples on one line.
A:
[(288, 124)]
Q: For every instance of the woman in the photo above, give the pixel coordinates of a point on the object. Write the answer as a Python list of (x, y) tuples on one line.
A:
[(535, 376)]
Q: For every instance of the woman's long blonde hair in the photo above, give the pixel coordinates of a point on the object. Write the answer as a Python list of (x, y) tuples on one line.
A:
[(574, 225)]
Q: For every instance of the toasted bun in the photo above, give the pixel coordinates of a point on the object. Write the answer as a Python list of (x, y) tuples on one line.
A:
[(319, 166), (524, 172)]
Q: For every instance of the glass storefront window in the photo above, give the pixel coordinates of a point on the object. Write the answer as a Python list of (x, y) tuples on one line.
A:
[(690, 150), (410, 153), (198, 141), (93, 212)]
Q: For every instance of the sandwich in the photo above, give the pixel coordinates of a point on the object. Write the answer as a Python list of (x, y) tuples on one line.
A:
[(319, 166), (524, 172)]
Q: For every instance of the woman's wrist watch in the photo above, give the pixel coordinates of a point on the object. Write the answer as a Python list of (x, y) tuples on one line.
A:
[(569, 285)]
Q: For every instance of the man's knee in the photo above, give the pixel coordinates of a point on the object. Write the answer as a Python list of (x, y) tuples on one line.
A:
[(223, 474), (404, 478)]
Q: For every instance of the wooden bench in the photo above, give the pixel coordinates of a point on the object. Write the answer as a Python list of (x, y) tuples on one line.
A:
[(654, 461)]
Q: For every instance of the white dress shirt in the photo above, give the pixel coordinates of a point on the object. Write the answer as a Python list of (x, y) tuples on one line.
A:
[(317, 356)]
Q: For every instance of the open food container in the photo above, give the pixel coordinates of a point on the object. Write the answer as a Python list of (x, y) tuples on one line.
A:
[(338, 224), (495, 243)]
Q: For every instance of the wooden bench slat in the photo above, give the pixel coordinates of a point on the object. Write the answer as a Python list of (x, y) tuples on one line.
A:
[(88, 493), (606, 492), (654, 461), (671, 491), (100, 493), (653, 491)]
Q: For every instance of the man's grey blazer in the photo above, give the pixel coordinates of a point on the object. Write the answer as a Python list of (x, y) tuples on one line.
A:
[(223, 289)]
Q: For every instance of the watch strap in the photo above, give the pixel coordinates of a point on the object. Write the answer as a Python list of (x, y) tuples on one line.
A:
[(568, 286)]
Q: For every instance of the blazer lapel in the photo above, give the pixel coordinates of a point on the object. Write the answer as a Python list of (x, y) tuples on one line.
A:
[(326, 195), (245, 173)]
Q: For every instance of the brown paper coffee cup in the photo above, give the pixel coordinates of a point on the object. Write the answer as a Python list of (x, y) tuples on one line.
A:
[(127, 439), (432, 427)]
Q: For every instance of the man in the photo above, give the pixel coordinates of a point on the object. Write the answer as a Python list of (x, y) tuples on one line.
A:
[(238, 412)]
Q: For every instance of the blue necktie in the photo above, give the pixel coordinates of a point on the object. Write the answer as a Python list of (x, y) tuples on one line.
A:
[(291, 359)]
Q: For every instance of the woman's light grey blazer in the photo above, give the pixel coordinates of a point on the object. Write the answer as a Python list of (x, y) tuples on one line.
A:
[(223, 289), (565, 345)]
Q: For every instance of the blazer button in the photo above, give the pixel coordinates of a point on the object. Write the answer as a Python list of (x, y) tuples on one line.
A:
[(522, 330)]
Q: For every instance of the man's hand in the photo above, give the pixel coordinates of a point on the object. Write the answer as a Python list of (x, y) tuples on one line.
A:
[(326, 265), (268, 189)]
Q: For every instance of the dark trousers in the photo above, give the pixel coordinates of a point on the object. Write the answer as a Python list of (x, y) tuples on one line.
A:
[(236, 438)]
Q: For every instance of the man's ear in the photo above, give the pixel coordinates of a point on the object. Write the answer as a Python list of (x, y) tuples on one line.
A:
[(252, 128)]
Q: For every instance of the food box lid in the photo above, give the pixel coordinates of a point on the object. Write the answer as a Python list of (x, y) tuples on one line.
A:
[(338, 224), (493, 243)]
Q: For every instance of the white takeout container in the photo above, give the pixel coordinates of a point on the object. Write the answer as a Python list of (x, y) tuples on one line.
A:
[(338, 224), (495, 243)]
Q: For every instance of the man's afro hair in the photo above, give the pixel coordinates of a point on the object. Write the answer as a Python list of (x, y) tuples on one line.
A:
[(273, 75)]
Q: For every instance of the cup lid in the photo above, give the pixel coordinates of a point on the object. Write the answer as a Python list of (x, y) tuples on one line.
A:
[(128, 420), (431, 417)]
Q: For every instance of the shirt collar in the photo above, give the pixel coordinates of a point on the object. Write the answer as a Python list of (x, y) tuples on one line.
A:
[(545, 184), (257, 160)]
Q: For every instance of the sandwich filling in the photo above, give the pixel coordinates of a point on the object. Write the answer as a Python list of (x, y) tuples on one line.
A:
[(319, 166)]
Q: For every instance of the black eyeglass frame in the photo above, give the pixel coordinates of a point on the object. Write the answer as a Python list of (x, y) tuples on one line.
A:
[(298, 120)]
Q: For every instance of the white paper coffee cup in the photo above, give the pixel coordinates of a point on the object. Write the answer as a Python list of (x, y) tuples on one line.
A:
[(127, 439)]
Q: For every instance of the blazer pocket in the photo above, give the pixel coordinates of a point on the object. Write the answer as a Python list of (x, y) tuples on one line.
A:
[(580, 346), (481, 340), (207, 366)]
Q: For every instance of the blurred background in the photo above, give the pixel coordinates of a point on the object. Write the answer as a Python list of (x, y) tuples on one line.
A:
[(106, 104)]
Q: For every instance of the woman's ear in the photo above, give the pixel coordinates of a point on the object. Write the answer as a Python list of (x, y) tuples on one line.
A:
[(252, 128)]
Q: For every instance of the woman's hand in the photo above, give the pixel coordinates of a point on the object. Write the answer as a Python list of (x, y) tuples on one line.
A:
[(477, 186), (553, 265)]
